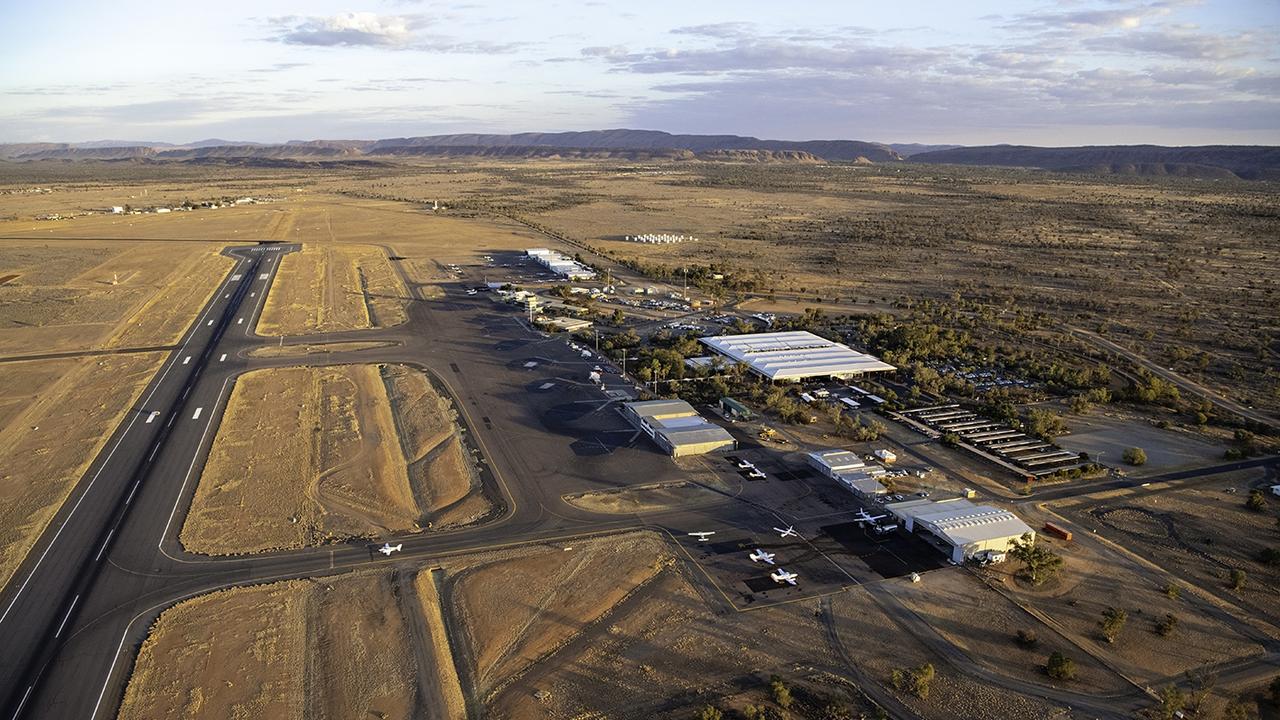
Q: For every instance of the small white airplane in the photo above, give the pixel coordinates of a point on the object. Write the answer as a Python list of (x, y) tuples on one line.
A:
[(756, 474), (882, 529), (471, 291), (782, 576), (746, 464), (760, 555), (388, 548), (702, 536), (789, 532), (863, 517)]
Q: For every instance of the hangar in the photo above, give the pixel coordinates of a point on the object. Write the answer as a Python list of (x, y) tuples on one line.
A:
[(963, 529), (677, 428), (795, 355)]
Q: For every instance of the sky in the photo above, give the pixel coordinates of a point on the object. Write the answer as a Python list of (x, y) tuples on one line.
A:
[(1071, 72)]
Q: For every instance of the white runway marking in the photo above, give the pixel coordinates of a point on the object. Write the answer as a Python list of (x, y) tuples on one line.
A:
[(252, 294), (67, 617), (209, 324), (241, 320), (235, 277), (223, 358), (152, 416), (264, 276), (197, 414), (104, 545), (184, 362)]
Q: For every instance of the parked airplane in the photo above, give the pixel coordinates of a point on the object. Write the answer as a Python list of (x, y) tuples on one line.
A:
[(789, 532), (782, 576), (388, 548), (882, 529), (702, 536), (756, 474), (745, 464), (759, 555), (862, 516)]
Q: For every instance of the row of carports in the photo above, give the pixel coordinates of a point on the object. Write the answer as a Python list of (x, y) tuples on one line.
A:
[(1030, 453)]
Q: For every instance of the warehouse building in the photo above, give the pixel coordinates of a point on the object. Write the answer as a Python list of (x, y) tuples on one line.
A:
[(849, 470), (795, 355), (962, 529), (561, 264), (677, 428)]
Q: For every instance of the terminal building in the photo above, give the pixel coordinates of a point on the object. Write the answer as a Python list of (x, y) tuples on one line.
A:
[(561, 264), (677, 428), (960, 528), (795, 355)]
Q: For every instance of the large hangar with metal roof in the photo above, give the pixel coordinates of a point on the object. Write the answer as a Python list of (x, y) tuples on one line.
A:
[(966, 530), (677, 427), (795, 355)]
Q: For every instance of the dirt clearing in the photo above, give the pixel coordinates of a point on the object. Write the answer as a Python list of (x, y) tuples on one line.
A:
[(275, 351)]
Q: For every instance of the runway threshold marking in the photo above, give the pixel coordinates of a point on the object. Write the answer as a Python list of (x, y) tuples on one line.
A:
[(235, 277), (196, 416), (264, 276)]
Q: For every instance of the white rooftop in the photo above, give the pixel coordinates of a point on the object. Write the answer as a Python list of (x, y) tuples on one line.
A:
[(962, 522), (794, 355)]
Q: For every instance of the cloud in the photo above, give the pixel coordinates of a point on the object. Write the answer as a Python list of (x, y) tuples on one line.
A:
[(766, 54), (718, 30), (279, 67), (1179, 44), (353, 29), (1091, 20)]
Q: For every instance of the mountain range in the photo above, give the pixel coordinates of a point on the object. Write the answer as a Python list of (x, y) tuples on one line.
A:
[(1210, 161)]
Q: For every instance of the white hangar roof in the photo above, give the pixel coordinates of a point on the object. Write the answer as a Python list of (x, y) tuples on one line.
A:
[(795, 355)]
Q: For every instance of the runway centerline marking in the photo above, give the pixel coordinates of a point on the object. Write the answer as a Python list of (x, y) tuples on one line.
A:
[(63, 625)]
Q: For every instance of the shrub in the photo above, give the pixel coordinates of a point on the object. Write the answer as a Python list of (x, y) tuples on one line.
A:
[(1113, 620), (1173, 590), (1027, 638), (1269, 556), (781, 693), (709, 712), (1238, 578), (1256, 502), (1135, 456), (1061, 667), (1166, 625)]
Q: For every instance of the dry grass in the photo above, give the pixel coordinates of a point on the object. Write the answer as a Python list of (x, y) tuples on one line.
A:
[(439, 472), (517, 610), (57, 418), (448, 687), (303, 456), (327, 648), (328, 288), (277, 351), (308, 455)]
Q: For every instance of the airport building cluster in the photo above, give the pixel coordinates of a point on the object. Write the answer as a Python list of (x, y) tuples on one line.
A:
[(677, 428), (561, 264), (660, 238), (794, 355), (995, 439), (849, 470)]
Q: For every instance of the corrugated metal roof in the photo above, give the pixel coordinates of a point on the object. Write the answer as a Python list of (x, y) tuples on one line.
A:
[(793, 355)]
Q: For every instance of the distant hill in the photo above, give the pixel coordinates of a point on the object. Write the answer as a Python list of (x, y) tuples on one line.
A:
[(906, 150), (841, 150), (1251, 162)]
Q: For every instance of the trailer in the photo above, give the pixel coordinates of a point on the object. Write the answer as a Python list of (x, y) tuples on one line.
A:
[(1057, 531)]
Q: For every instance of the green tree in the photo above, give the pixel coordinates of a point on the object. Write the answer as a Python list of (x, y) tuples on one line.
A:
[(618, 317), (1135, 456), (1113, 620), (709, 712), (1172, 702), (1061, 667), (781, 693), (1039, 563)]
